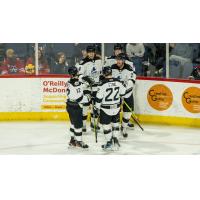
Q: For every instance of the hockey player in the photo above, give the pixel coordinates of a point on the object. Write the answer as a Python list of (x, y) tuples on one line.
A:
[(90, 69), (75, 99), (108, 102), (124, 73), (111, 60)]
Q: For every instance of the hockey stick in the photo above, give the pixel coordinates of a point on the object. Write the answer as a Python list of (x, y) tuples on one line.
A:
[(134, 117), (95, 130)]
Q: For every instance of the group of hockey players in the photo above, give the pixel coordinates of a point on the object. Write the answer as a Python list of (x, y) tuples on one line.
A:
[(101, 89)]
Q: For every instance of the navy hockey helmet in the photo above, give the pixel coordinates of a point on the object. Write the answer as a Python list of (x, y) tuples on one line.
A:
[(90, 48), (107, 70), (118, 46), (73, 71), (121, 56)]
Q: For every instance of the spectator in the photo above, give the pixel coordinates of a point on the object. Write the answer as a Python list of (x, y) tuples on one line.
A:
[(12, 64), (61, 66), (84, 53), (160, 59), (1, 62), (181, 60), (135, 53), (2, 54), (195, 73), (43, 66)]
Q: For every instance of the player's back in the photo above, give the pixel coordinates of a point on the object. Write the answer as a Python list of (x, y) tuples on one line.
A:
[(110, 91), (74, 90)]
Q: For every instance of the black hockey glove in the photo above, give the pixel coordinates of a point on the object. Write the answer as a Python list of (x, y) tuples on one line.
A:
[(101, 77), (88, 79)]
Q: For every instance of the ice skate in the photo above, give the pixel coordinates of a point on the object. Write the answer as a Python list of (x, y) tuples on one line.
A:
[(107, 146), (72, 142), (124, 133), (81, 144), (116, 142)]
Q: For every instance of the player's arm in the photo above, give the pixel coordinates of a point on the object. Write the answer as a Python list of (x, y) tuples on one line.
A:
[(129, 88), (99, 97), (85, 95), (81, 69), (131, 75), (122, 90)]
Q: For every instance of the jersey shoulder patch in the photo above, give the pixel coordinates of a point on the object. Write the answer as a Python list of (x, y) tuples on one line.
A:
[(84, 60), (128, 67)]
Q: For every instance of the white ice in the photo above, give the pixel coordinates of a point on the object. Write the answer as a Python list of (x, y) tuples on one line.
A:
[(53, 137)]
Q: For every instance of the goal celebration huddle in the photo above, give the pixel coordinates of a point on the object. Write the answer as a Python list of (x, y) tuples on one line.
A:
[(104, 90)]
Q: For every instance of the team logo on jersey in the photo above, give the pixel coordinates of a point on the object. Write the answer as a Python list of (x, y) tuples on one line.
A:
[(94, 70), (191, 99), (160, 97)]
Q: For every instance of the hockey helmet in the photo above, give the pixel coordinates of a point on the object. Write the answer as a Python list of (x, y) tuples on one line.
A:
[(73, 71), (107, 70), (90, 48), (118, 47)]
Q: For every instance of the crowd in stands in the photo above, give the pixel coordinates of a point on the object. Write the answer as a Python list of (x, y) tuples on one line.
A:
[(184, 60), (149, 59)]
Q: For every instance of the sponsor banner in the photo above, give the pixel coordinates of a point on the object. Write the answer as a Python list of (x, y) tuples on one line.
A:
[(33, 94), (53, 92), (48, 94), (165, 98), (160, 97), (191, 99)]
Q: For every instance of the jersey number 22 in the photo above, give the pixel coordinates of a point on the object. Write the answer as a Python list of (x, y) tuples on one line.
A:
[(112, 94)]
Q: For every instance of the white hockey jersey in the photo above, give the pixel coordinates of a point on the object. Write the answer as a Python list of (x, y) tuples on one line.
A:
[(126, 75), (91, 68), (75, 92), (109, 95)]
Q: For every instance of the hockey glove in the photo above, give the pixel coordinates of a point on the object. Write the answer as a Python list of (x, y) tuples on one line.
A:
[(88, 79), (101, 77)]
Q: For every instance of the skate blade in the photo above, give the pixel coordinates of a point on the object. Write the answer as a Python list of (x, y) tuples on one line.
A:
[(77, 148), (111, 149), (108, 149)]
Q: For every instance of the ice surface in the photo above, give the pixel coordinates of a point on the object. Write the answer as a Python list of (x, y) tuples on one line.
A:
[(53, 137)]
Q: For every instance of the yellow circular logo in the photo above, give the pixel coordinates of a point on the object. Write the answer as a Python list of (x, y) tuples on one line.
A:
[(160, 97), (191, 99)]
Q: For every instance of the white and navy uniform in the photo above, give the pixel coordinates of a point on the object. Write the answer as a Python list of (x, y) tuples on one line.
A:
[(108, 101), (111, 60), (75, 99), (127, 76), (91, 68)]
